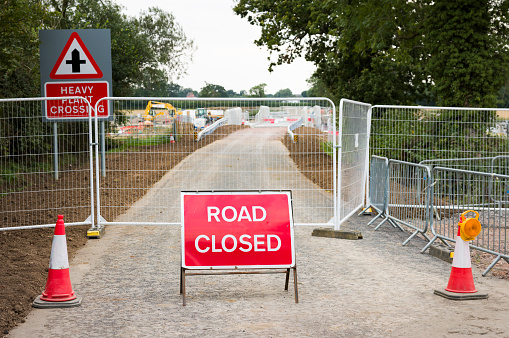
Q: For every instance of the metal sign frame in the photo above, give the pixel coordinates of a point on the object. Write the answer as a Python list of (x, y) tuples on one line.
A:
[(260, 269)]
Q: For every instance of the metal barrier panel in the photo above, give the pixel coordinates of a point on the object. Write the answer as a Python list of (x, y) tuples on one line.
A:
[(483, 164), (418, 133), (149, 156), (409, 197), (456, 191), (378, 186), (353, 163), (500, 165), (45, 167)]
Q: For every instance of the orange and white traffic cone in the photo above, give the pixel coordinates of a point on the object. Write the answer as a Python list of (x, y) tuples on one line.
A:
[(172, 139), (58, 292), (461, 281)]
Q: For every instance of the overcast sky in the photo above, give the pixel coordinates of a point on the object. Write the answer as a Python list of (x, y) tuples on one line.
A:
[(226, 54)]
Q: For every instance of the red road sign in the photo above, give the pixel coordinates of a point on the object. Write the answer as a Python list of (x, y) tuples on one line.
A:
[(228, 230), (75, 62), (69, 109)]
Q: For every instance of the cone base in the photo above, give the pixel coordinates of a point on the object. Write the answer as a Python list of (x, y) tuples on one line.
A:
[(42, 304), (461, 296)]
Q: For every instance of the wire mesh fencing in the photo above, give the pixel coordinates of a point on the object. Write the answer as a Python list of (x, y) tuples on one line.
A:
[(416, 133), (462, 139), (378, 187), (483, 164), (408, 195), (148, 155), (355, 122), (500, 165), (45, 165), (456, 191), (408, 198)]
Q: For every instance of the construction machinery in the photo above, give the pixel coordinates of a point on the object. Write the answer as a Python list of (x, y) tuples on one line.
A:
[(206, 116), (200, 120), (151, 113)]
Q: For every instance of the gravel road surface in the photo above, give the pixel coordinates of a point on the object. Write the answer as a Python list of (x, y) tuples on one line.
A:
[(129, 281)]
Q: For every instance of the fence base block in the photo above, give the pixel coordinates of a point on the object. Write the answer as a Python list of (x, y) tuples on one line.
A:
[(442, 252), (342, 234), (461, 296), (95, 232)]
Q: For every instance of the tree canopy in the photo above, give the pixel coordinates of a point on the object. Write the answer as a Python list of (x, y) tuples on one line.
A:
[(258, 90), (147, 51), (19, 52), (213, 90), (392, 52), (284, 93)]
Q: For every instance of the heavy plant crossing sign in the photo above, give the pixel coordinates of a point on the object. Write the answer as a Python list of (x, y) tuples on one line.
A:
[(75, 63)]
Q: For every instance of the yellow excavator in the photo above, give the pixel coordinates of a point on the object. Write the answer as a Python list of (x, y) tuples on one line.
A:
[(151, 114)]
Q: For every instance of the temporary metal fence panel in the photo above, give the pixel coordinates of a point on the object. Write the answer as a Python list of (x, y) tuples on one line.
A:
[(483, 164), (45, 167), (408, 197), (500, 165), (418, 133), (149, 159), (378, 187), (456, 191), (353, 164)]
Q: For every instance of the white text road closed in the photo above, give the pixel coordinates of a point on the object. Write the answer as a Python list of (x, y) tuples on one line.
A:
[(236, 230), (260, 243)]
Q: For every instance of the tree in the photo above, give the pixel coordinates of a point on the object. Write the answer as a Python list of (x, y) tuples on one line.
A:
[(167, 40), (351, 43), (318, 87), (146, 52), (20, 21), (151, 47), (153, 84), (503, 97), (212, 90), (232, 93), (378, 51), (284, 93), (258, 90), (468, 60), (176, 90)]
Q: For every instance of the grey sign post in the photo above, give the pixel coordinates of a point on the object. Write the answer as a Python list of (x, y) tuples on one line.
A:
[(75, 63)]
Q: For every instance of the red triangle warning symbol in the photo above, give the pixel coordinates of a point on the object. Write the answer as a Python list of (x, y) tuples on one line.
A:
[(75, 62)]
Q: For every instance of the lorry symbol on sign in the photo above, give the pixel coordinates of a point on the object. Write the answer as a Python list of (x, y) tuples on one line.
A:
[(75, 62)]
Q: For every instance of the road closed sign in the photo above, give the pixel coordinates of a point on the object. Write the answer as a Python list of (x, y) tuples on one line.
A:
[(230, 230)]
